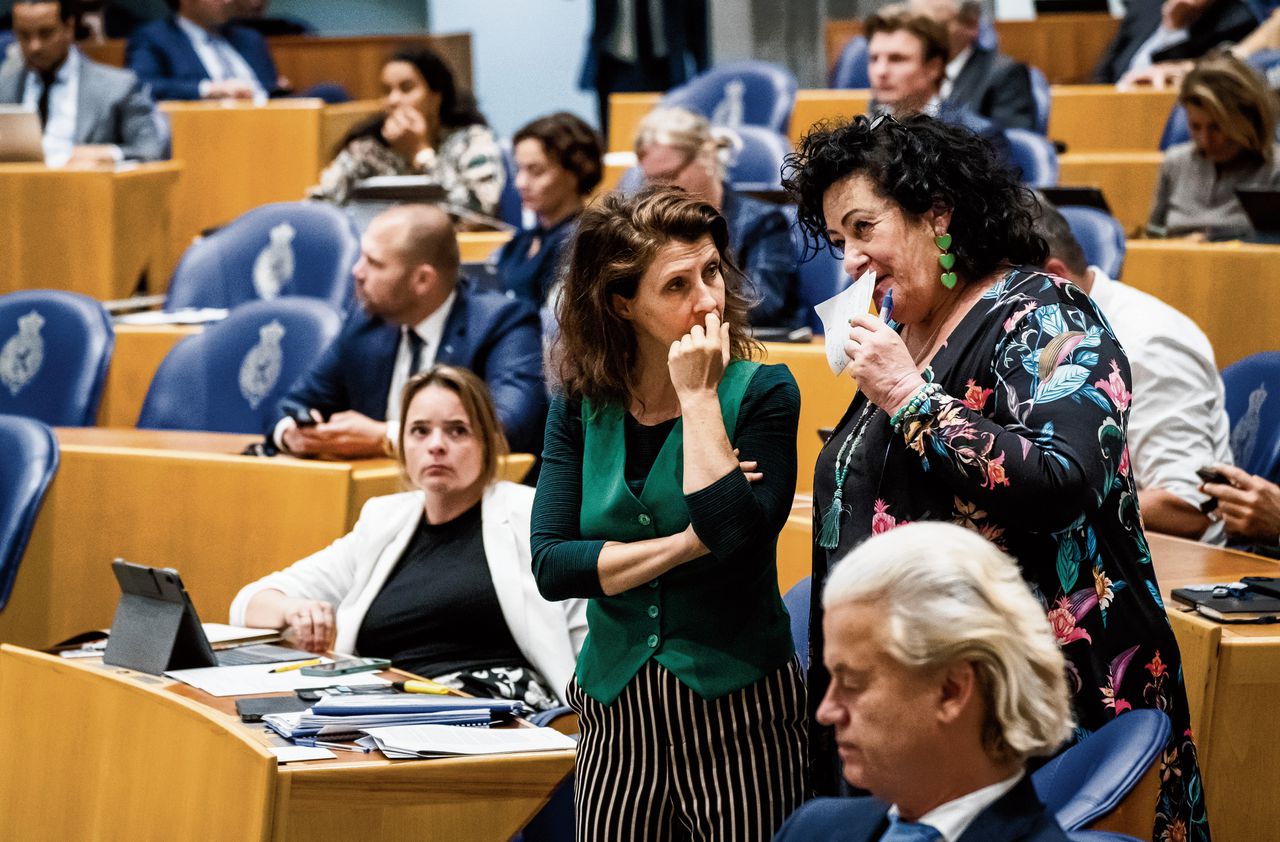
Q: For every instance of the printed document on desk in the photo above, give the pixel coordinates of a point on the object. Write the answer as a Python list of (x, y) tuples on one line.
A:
[(258, 678), (426, 741)]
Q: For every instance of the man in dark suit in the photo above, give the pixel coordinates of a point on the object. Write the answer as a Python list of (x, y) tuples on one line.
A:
[(925, 627), (985, 81), (414, 311), (91, 114), (196, 54), (643, 45), (1153, 31)]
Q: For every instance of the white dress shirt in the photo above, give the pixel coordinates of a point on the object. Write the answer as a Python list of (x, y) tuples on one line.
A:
[(60, 131), (220, 59), (431, 331), (1177, 418), (1159, 40), (953, 818)]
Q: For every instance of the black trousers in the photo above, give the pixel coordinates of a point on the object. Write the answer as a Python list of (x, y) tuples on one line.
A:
[(662, 763)]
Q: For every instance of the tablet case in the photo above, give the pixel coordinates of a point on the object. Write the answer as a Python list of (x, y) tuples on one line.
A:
[(155, 626)]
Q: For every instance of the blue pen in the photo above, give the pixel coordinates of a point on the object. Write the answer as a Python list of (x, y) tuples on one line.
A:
[(886, 306)]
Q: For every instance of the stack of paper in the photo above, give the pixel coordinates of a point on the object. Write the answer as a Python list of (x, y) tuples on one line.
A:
[(255, 679), (350, 714), (425, 741)]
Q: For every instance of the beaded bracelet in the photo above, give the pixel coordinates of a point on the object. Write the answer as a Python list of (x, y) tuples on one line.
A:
[(921, 403), (907, 407)]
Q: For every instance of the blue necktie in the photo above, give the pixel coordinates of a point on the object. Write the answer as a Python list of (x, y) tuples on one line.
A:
[(900, 831)]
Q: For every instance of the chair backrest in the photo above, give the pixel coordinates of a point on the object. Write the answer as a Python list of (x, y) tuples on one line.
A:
[(797, 601), (282, 249), (1100, 235), (230, 378), (1175, 128), (1253, 406), (1100, 836), (1035, 156), (510, 208), (1043, 99), (31, 458), (55, 347), (753, 93), (1089, 779), (759, 159), (851, 69)]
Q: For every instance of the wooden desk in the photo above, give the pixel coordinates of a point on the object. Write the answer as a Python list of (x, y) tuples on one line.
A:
[(823, 399), (1233, 679), (479, 246), (88, 231), (1126, 178), (1066, 47), (353, 62), (105, 753), (184, 500), (138, 353), (1231, 290)]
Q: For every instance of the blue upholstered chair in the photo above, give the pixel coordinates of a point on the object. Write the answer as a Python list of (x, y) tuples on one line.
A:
[(1175, 128), (1089, 779), (851, 68), (230, 377), (1100, 235), (797, 600), (759, 159), (1253, 406), (1035, 156), (822, 275), (1041, 94), (55, 347), (753, 93), (31, 458), (283, 249)]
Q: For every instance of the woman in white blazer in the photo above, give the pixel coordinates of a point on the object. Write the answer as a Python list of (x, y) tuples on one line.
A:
[(408, 582)]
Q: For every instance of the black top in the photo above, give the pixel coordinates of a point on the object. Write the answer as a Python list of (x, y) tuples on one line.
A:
[(438, 611), (643, 444), (532, 276)]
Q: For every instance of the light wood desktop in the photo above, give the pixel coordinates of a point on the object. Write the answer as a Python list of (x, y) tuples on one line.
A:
[(354, 62), (1087, 118), (185, 500), (1066, 47), (106, 753), (89, 231), (1231, 290)]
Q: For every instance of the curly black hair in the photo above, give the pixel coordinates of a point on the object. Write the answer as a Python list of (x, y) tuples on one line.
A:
[(922, 163)]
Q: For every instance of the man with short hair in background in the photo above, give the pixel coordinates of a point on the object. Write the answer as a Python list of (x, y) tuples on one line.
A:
[(90, 114)]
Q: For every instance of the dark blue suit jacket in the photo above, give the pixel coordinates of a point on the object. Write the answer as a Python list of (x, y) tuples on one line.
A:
[(497, 337), (162, 56), (760, 239), (1017, 817)]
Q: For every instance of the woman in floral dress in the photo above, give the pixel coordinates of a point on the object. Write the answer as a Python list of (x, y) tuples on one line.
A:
[(995, 397)]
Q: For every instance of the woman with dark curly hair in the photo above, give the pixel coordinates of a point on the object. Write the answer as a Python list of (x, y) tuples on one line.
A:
[(427, 127), (995, 397), (688, 691), (559, 161)]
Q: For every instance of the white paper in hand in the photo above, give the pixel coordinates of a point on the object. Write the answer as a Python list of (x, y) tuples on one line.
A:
[(836, 311)]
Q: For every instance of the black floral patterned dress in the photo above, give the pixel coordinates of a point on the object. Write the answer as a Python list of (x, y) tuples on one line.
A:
[(1028, 449)]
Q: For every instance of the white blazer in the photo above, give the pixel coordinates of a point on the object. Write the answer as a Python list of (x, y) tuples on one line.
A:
[(351, 571)]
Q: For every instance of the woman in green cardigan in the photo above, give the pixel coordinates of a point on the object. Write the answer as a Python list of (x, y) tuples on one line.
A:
[(689, 695)]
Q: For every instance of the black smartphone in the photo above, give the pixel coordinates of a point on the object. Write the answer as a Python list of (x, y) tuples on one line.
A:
[(346, 666), (1268, 585), (1208, 474), (301, 416), (252, 709)]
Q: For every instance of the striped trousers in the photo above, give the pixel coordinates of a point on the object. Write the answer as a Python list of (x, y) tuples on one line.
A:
[(662, 763)]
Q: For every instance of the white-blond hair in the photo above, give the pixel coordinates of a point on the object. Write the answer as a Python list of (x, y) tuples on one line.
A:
[(689, 132), (948, 595)]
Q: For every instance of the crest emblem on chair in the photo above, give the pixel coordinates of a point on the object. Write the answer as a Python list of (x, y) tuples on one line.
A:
[(1244, 437), (21, 356), (260, 370), (273, 267), (729, 111)]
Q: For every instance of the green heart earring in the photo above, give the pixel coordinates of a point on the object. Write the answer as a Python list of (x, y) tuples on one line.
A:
[(946, 260)]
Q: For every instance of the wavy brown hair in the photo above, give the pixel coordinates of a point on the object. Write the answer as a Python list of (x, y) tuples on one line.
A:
[(616, 240)]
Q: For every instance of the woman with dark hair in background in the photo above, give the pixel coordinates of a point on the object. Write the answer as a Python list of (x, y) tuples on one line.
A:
[(993, 396), (1231, 116), (688, 690), (559, 161), (427, 127)]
